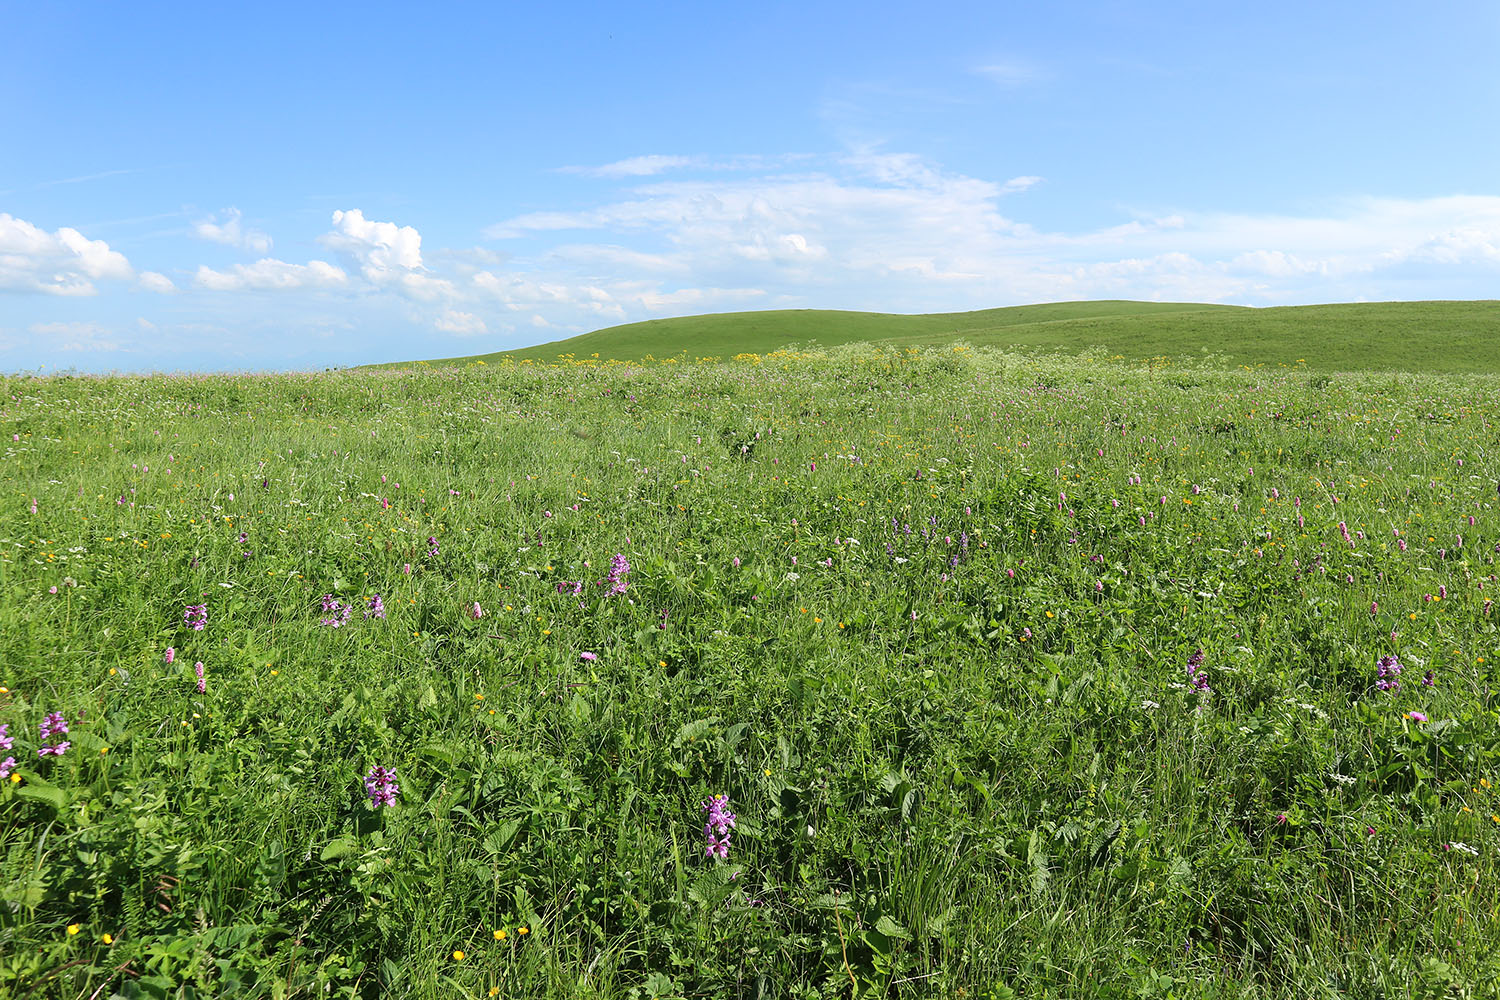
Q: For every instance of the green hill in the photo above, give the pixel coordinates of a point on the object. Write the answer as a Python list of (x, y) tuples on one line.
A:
[(1444, 337)]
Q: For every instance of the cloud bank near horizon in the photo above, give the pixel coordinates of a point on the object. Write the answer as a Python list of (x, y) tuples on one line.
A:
[(675, 234)]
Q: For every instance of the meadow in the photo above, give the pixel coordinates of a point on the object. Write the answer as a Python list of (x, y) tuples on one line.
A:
[(1440, 338), (1019, 676)]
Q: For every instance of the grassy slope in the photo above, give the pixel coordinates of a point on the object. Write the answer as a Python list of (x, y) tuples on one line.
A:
[(1439, 337)]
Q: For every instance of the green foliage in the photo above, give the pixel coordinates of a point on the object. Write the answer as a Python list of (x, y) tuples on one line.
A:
[(924, 616)]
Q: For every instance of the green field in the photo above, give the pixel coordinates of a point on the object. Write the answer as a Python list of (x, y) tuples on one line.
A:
[(1025, 676), (1437, 337)]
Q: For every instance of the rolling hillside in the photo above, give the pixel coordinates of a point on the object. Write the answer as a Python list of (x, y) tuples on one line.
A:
[(1444, 337)]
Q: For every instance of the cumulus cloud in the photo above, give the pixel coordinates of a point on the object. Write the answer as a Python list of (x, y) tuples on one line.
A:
[(461, 323), (63, 262), (269, 274), (386, 255), (230, 232)]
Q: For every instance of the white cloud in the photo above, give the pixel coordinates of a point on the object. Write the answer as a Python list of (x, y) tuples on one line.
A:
[(1010, 73), (269, 274), (73, 337), (153, 281), (896, 231), (637, 166), (64, 262), (231, 233), (461, 323), (382, 248), (387, 255), (651, 165)]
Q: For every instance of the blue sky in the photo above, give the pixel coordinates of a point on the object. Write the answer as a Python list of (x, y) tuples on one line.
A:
[(198, 187)]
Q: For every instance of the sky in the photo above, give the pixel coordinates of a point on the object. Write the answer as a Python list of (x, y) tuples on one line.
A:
[(211, 187)]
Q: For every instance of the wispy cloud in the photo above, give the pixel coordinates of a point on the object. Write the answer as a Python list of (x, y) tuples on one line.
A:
[(897, 231), (1010, 73), (269, 274), (657, 163), (230, 232), (636, 166), (461, 323), (84, 178), (154, 281), (74, 337)]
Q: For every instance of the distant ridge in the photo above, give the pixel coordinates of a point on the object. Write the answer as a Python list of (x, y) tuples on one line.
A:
[(1441, 337)]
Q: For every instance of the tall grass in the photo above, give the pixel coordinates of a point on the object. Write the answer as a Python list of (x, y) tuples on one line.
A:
[(924, 617)]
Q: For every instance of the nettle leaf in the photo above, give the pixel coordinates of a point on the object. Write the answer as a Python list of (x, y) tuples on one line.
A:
[(694, 731), (339, 847), (41, 791), (500, 838), (891, 929)]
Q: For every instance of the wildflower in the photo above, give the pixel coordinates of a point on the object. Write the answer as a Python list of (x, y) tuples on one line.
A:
[(1416, 716), (619, 567), (6, 766), (458, 956), (107, 938), (475, 611), (1427, 680), (375, 607), (338, 612), (171, 655), (1388, 668), (1196, 675), (202, 684), (523, 931), (588, 657), (74, 929), (716, 829), (6, 740), (195, 616), (432, 545), (500, 934), (53, 725), (381, 787)]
